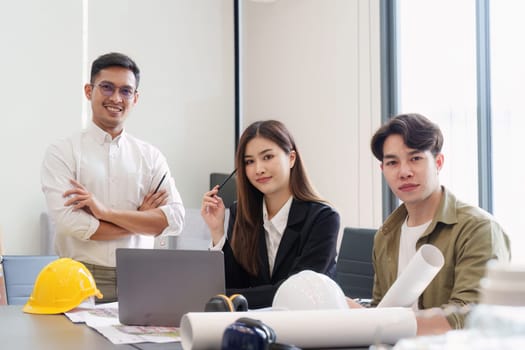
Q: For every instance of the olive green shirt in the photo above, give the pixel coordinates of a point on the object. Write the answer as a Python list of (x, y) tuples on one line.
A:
[(467, 236)]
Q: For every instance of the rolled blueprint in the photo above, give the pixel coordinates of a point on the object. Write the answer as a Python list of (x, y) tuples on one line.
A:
[(416, 276), (305, 328)]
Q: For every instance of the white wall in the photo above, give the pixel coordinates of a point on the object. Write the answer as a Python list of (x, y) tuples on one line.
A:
[(185, 51), (41, 101), (314, 64)]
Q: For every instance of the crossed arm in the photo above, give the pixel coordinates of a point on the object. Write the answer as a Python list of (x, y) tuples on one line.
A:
[(114, 223)]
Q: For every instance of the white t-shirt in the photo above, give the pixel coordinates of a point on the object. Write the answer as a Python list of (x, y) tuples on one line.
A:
[(407, 245)]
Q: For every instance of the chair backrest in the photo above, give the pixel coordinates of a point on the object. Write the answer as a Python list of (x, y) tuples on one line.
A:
[(47, 234), (354, 270), (195, 234), (228, 192), (20, 272)]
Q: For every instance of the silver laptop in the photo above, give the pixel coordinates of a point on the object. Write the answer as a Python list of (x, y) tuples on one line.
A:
[(155, 287)]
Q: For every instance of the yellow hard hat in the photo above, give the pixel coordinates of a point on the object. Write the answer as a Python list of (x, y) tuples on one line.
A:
[(61, 286)]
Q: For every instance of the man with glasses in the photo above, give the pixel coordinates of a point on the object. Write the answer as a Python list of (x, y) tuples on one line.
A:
[(104, 188)]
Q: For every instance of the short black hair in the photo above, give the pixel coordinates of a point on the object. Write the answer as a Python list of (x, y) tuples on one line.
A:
[(115, 59), (417, 131)]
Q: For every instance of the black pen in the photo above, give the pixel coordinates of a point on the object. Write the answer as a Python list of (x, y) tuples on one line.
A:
[(229, 177), (160, 183)]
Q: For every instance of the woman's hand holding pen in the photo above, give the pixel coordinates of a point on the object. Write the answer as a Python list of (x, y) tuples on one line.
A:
[(213, 212)]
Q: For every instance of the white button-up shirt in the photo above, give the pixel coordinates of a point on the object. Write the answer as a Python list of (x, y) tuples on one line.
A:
[(119, 173), (274, 229)]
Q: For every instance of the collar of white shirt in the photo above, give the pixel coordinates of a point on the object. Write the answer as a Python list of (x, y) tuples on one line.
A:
[(280, 220), (102, 136)]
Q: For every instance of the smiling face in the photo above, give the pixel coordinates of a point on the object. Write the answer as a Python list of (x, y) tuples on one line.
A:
[(412, 175), (110, 112), (268, 167)]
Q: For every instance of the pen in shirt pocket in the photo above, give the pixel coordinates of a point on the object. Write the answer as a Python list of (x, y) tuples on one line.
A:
[(160, 183)]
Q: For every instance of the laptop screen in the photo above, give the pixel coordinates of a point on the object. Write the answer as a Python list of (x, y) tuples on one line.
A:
[(155, 287)]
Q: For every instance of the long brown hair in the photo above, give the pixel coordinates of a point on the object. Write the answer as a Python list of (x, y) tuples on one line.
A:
[(249, 220)]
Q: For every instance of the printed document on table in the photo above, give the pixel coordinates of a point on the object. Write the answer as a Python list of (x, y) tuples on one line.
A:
[(104, 319)]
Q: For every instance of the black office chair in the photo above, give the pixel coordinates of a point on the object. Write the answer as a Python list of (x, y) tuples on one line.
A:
[(228, 192), (354, 271)]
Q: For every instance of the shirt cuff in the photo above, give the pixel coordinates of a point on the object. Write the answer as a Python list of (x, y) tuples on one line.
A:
[(219, 244), (175, 216), (93, 225)]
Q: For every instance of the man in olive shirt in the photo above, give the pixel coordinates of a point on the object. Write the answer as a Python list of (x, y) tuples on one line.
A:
[(409, 149)]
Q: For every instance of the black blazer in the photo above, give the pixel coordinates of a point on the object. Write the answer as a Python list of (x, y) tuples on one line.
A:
[(309, 242)]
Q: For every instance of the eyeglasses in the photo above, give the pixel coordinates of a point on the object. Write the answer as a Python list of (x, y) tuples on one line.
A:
[(108, 89)]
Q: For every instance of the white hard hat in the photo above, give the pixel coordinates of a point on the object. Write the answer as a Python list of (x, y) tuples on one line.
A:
[(309, 290)]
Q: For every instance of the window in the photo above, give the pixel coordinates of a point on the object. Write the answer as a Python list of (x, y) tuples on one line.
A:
[(508, 122), (437, 78)]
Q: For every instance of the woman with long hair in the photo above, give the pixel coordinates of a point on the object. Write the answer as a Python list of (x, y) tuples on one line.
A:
[(279, 225)]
